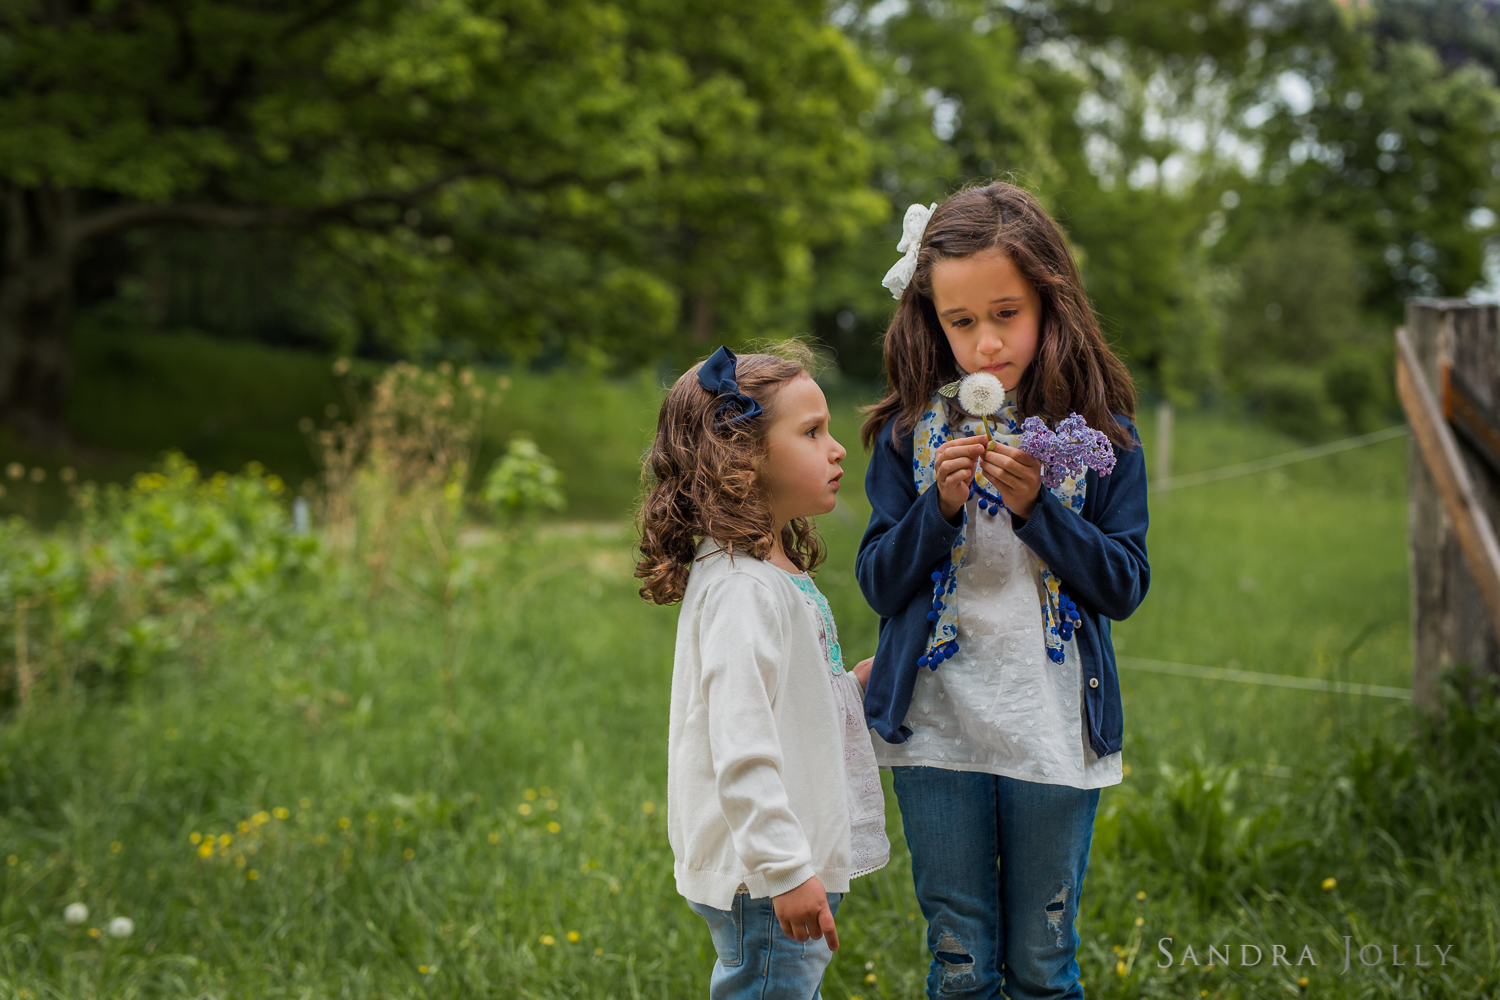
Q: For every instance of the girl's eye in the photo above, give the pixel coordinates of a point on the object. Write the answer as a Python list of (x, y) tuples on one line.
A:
[(959, 323), (812, 432), (1008, 313)]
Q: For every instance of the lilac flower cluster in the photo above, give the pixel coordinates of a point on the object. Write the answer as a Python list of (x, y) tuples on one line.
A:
[(1067, 450)]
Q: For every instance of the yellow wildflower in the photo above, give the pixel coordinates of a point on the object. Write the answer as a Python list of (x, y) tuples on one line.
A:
[(1139, 921), (1119, 968), (12, 860), (1329, 883), (194, 837), (529, 795), (93, 932), (422, 970), (206, 850), (225, 840), (1302, 982), (304, 803), (573, 936), (548, 940), (343, 822), (281, 812), (551, 805), (408, 854), (371, 818), (1141, 894), (261, 818), (871, 978), (244, 827), (554, 827), (252, 875), (546, 792), (648, 808), (524, 809), (598, 951), (115, 847), (494, 837)]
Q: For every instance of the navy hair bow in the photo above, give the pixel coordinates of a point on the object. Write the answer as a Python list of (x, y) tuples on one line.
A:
[(717, 376)]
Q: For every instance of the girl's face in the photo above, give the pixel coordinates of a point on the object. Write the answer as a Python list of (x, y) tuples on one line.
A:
[(801, 469), (991, 314)]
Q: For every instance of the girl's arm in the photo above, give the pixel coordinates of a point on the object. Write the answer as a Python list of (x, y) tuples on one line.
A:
[(741, 641), (1102, 562), (907, 537)]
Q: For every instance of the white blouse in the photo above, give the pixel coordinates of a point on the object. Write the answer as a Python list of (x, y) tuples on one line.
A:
[(1000, 705), (869, 850)]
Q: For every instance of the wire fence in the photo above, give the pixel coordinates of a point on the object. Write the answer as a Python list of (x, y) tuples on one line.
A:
[(1276, 461), (1266, 680)]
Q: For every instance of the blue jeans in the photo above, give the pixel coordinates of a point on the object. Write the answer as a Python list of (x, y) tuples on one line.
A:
[(756, 960), (999, 928)]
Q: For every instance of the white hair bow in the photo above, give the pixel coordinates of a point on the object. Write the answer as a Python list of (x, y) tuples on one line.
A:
[(912, 228)]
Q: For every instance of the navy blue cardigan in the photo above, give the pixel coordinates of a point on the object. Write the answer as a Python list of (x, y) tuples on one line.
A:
[(1098, 553)]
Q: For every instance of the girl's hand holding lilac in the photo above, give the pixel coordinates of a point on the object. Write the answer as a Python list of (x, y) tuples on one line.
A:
[(1017, 476)]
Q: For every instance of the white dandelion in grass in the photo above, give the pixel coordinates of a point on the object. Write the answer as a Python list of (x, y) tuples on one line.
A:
[(121, 927), (75, 913)]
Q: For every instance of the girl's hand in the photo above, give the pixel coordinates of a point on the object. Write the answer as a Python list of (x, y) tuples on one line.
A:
[(803, 913), (955, 462), (861, 672), (1017, 475)]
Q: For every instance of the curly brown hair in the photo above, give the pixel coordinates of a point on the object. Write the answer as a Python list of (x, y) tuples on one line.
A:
[(1074, 371), (701, 481)]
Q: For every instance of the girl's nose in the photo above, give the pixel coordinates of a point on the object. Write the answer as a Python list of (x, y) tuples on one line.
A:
[(990, 340)]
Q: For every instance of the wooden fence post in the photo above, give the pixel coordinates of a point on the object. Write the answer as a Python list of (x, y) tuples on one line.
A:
[(1448, 376)]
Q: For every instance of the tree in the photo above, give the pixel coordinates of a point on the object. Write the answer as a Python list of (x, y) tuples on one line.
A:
[(515, 173)]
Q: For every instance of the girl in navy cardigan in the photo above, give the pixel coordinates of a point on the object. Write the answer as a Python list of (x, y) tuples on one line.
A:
[(994, 688)]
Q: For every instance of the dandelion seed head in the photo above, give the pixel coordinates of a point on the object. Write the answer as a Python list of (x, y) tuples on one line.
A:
[(981, 394), (75, 913)]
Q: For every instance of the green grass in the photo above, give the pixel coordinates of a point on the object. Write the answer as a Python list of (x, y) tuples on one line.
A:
[(1240, 801)]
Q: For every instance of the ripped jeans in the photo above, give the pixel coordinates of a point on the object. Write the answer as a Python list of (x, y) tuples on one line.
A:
[(1007, 927)]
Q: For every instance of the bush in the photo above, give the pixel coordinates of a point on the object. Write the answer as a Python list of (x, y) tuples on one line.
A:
[(138, 570), (1292, 400)]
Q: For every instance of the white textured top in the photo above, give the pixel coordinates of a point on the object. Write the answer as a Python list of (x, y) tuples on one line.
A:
[(869, 850), (759, 741), (1001, 706)]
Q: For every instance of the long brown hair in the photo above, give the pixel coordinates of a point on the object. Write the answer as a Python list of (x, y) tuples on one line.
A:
[(701, 481), (1074, 370)]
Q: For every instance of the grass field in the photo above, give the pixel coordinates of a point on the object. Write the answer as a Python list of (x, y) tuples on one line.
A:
[(378, 849)]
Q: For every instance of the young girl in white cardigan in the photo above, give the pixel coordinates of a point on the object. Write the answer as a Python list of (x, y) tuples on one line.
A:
[(773, 795)]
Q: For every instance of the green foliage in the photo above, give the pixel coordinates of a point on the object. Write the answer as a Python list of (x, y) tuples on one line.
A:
[(526, 178), (523, 480), (113, 593)]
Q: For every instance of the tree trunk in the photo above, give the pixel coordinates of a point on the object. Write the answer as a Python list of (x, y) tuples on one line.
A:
[(36, 305)]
